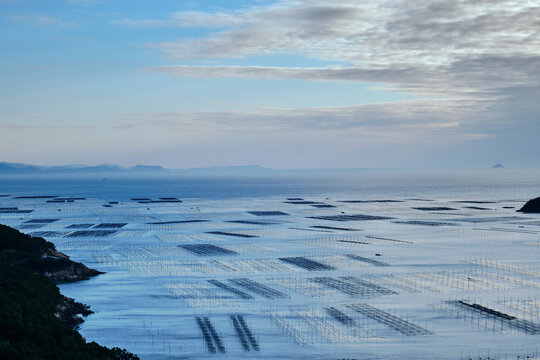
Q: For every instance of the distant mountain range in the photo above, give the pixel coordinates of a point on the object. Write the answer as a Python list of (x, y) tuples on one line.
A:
[(14, 168)]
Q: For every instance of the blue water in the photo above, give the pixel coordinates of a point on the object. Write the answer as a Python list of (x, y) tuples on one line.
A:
[(518, 184), (147, 300)]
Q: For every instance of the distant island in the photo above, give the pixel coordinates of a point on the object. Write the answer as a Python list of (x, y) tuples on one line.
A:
[(497, 166), (36, 321), (22, 169)]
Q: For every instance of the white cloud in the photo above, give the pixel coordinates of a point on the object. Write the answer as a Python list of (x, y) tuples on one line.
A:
[(482, 54), (462, 46)]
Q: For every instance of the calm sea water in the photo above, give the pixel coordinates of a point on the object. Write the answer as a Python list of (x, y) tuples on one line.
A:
[(519, 184), (153, 288)]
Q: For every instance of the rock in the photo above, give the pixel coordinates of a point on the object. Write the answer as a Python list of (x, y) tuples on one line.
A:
[(497, 166), (72, 271), (532, 206), (68, 310)]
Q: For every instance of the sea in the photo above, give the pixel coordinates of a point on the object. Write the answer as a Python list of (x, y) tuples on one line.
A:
[(333, 264)]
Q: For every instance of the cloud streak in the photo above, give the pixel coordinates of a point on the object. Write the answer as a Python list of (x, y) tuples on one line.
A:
[(481, 57), (421, 120), (429, 46), (369, 34)]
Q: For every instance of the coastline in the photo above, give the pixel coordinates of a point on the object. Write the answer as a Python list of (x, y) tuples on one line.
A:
[(36, 320)]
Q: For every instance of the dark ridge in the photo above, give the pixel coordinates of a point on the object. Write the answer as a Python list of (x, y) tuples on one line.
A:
[(110, 226), (210, 335), (403, 326), (387, 239), (8, 208), (177, 222), (366, 260), (356, 217), (258, 288), (424, 223), (353, 286), (323, 206), (168, 198), (253, 222), (139, 199), (508, 207), (475, 208), (434, 208), (36, 197), (207, 249), (312, 230), (70, 198), (418, 199), (231, 289), (16, 211), (30, 226), (354, 242), (474, 202), (91, 233), (48, 233), (4, 195), (79, 226), (476, 220), (340, 316), (41, 221), (107, 205), (333, 228), (301, 202), (244, 333), (295, 199), (486, 310), (369, 201), (231, 234), (268, 213), (531, 206), (306, 263)]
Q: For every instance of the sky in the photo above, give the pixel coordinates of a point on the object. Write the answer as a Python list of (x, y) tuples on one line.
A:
[(281, 84)]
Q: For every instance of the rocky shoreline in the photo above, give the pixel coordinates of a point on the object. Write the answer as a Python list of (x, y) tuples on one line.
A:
[(71, 271), (57, 267), (532, 206), (36, 320)]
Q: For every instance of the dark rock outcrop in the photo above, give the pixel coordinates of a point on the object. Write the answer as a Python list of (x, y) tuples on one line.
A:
[(68, 312), (37, 321), (41, 257), (71, 271), (531, 206)]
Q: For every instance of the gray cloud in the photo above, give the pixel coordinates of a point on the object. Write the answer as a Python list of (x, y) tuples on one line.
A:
[(465, 46), (421, 120), (483, 51), (473, 63)]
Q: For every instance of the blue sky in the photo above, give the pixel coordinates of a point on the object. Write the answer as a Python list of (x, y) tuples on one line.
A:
[(283, 84)]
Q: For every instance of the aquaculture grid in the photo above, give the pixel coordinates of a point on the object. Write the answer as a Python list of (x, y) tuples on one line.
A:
[(294, 278)]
